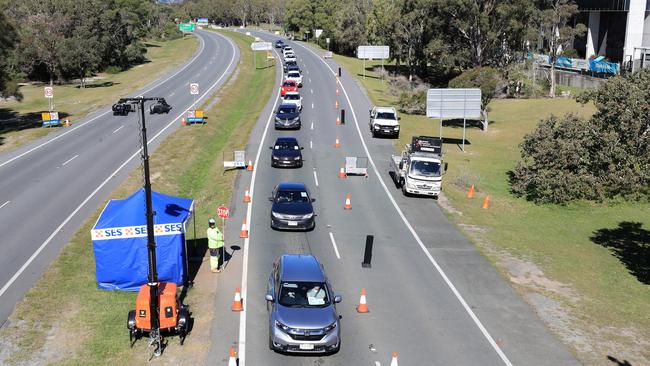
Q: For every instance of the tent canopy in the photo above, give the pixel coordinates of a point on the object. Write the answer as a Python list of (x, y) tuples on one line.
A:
[(120, 241)]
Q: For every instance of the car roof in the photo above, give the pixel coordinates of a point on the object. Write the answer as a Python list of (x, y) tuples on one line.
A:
[(292, 186), (385, 109), (293, 71), (286, 139), (301, 267), (287, 105)]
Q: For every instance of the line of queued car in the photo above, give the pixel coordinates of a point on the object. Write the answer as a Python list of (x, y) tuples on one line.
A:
[(300, 300)]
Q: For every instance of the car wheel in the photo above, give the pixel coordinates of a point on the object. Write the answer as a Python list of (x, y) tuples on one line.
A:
[(374, 134), (397, 135), (403, 185)]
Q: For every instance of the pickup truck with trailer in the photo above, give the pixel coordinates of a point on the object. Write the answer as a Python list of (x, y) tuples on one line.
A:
[(418, 170), (384, 121)]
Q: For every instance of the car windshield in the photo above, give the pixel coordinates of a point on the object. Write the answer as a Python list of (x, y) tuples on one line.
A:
[(291, 197), (303, 294), (287, 110), (292, 97), (286, 145), (294, 74), (289, 83), (385, 115), (425, 168)]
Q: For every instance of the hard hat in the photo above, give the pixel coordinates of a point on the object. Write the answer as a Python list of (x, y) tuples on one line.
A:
[(211, 221)]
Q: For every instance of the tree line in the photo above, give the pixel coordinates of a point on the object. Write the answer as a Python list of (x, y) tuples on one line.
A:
[(55, 40)]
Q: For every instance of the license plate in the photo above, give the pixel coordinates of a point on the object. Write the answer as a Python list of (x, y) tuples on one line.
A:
[(306, 346), (292, 223)]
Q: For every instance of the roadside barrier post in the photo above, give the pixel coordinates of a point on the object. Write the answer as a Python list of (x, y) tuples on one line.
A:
[(342, 116), (339, 72), (367, 255)]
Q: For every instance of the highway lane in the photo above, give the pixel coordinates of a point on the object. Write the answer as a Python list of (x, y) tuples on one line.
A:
[(53, 184), (416, 310)]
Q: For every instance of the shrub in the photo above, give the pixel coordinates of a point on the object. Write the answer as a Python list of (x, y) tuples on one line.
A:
[(113, 69), (485, 78), (413, 101)]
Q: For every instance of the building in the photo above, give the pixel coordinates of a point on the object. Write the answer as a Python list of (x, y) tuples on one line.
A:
[(616, 29)]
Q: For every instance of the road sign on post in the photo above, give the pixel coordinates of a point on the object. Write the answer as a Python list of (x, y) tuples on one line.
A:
[(260, 46), (454, 103), (223, 212), (373, 53), (49, 94), (194, 88), (186, 27)]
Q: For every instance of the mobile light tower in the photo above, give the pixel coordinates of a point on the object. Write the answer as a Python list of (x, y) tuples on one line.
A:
[(154, 296)]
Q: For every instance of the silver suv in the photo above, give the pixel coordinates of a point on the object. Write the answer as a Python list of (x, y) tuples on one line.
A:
[(302, 307)]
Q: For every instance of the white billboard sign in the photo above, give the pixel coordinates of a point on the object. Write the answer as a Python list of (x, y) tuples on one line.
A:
[(373, 52), (454, 103), (261, 46), (318, 32)]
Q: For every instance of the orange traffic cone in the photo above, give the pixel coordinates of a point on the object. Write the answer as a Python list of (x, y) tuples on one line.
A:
[(337, 81), (249, 167), (337, 91), (470, 194), (338, 120), (247, 196), (486, 202), (237, 303), (232, 361), (244, 231), (348, 205), (393, 361), (337, 144), (183, 123), (342, 172), (363, 306), (336, 105)]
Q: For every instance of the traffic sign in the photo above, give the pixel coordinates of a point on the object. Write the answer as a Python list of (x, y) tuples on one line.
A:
[(49, 92), (223, 212), (194, 88), (186, 27), (373, 52), (261, 46)]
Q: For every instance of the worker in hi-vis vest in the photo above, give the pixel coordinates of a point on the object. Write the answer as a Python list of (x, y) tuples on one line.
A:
[(215, 245)]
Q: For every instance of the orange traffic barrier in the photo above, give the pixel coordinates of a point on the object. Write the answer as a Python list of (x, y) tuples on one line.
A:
[(232, 361), (237, 303), (244, 230), (249, 167), (348, 204), (393, 361), (247, 196), (363, 306), (470, 193), (342, 172), (486, 202), (337, 144)]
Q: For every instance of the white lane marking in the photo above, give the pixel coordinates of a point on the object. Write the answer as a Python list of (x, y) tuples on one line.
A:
[(442, 273), (110, 176), (249, 213), (377, 363), (336, 249), (310, 80), (312, 91), (312, 105), (4, 204), (69, 160), (311, 144), (103, 114), (312, 125), (315, 177), (172, 94), (119, 128)]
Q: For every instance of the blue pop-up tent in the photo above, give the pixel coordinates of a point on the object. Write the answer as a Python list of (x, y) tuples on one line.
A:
[(120, 241)]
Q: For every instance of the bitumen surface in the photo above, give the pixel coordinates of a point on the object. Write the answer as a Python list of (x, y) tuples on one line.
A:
[(48, 188), (433, 298)]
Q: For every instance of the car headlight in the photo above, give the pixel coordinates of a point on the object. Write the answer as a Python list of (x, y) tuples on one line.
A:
[(297, 158), (277, 119), (275, 158), (377, 127), (296, 119), (281, 326), (396, 128), (278, 215), (329, 327), (308, 216), (410, 185)]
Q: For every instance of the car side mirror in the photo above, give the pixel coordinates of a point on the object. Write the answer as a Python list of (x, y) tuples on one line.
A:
[(313, 200), (302, 148), (370, 112), (271, 147), (269, 297), (271, 199), (337, 299)]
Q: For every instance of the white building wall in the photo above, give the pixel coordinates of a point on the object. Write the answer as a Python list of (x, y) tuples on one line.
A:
[(592, 33), (634, 28), (646, 29)]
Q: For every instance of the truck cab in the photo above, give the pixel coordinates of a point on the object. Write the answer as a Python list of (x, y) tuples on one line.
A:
[(384, 121), (419, 169)]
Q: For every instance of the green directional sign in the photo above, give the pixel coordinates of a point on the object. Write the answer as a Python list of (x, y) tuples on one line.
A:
[(186, 27)]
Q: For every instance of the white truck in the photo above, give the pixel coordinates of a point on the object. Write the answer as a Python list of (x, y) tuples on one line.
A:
[(419, 170), (384, 121)]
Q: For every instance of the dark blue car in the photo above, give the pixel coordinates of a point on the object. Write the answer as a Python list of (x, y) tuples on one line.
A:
[(279, 43), (292, 207), (287, 117)]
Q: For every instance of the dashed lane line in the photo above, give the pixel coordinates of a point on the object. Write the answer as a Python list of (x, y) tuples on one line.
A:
[(119, 128), (4, 204), (69, 160), (336, 249)]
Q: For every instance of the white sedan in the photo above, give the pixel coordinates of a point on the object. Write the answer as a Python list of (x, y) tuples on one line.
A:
[(295, 76), (293, 98)]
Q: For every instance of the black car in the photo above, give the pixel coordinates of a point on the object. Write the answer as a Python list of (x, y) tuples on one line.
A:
[(279, 43), (292, 207), (160, 107), (122, 108), (291, 65), (286, 153), (287, 116)]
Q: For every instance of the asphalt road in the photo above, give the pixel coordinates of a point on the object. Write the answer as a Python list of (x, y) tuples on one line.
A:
[(48, 188), (433, 297)]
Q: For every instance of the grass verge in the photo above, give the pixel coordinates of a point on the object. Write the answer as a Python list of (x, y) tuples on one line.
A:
[(92, 329), (101, 91), (582, 266)]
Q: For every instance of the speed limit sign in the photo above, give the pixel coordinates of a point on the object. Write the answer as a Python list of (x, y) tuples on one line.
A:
[(49, 92), (194, 88)]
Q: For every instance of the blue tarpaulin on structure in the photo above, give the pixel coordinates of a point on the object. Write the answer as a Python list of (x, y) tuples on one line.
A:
[(120, 241)]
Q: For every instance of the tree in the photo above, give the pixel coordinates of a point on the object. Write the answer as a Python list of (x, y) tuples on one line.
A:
[(554, 28), (8, 40), (485, 78)]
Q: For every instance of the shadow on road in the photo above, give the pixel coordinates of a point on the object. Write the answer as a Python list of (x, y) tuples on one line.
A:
[(11, 121), (630, 243), (617, 362)]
